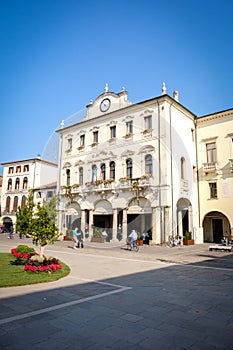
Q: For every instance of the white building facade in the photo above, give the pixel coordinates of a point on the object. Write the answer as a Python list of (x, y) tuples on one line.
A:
[(215, 174), (130, 166), (18, 178)]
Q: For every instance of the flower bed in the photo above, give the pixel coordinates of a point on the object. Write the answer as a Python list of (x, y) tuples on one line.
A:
[(40, 264), (22, 254)]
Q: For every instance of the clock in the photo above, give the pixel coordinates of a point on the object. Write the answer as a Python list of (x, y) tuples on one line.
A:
[(105, 105)]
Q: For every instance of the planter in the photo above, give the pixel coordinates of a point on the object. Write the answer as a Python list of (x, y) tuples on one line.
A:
[(188, 241), (67, 238), (97, 239), (139, 241)]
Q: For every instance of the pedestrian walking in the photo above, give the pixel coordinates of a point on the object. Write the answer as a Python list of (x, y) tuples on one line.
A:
[(75, 237)]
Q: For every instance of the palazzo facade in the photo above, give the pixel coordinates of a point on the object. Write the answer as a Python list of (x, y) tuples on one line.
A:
[(130, 166)]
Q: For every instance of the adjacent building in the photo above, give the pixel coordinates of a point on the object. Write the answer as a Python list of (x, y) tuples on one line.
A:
[(215, 174), (18, 178)]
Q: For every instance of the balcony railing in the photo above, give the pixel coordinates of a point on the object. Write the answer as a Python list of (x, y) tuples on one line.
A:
[(231, 164), (210, 167)]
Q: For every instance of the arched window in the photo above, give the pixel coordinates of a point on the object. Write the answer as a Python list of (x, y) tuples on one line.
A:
[(9, 186), (67, 177), (15, 204), (80, 176), (112, 170), (103, 172), (148, 164), (129, 168), (183, 168), (23, 201), (94, 173), (8, 203), (17, 184), (25, 183)]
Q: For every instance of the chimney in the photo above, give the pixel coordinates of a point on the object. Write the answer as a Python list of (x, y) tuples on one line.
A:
[(176, 95)]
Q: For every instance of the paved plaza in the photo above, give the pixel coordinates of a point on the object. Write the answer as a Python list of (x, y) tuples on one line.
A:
[(158, 298)]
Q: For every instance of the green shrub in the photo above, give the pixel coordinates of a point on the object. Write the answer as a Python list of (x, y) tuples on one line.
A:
[(188, 235), (25, 249)]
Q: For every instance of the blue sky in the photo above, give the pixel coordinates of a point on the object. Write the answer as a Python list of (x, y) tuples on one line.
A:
[(56, 55)]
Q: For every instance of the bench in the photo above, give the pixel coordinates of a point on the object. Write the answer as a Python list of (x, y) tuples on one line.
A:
[(227, 248)]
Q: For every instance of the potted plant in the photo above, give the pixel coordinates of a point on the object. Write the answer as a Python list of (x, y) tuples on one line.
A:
[(97, 236), (139, 240), (187, 239)]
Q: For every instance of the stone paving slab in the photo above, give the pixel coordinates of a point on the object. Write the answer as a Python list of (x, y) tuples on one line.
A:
[(159, 298)]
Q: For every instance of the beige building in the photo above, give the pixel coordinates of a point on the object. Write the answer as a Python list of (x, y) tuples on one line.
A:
[(18, 178), (215, 172)]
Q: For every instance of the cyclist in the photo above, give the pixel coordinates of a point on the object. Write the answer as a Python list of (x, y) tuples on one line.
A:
[(133, 237)]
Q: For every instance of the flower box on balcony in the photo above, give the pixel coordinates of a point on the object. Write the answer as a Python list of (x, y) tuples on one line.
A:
[(94, 144)]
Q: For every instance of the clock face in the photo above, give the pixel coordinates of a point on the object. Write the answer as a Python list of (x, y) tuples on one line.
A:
[(105, 105)]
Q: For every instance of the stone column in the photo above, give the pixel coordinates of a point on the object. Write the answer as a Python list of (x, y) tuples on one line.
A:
[(90, 223), (124, 225), (114, 228), (180, 223), (156, 229), (83, 223), (190, 218)]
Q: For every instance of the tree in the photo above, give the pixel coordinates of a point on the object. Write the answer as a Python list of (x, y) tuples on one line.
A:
[(39, 222), (24, 217), (51, 207), (44, 229)]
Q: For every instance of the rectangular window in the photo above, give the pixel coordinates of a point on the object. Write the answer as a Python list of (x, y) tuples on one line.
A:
[(26, 168), (148, 122), (11, 170), (82, 140), (69, 145), (213, 189), (18, 169), (129, 127), (95, 136), (113, 132), (211, 152), (49, 194)]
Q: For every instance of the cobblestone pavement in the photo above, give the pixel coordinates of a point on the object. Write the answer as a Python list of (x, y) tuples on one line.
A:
[(158, 298)]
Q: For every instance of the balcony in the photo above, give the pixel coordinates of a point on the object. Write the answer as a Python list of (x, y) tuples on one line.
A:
[(100, 185), (209, 167), (231, 165), (135, 184)]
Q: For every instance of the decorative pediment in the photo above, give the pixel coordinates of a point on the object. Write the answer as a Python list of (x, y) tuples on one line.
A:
[(128, 118), (69, 136), (146, 149), (66, 165), (127, 153), (79, 163), (146, 112)]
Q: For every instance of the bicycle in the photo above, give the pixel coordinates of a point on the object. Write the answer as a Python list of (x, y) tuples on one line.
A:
[(174, 241), (135, 246)]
